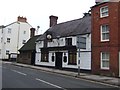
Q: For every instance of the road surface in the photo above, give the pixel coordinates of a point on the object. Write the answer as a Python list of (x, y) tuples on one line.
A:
[(21, 77)]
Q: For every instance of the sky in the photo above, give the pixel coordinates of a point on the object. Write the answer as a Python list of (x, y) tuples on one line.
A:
[(37, 12)]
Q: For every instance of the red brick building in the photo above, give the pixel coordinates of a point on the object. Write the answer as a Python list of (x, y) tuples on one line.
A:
[(106, 38)]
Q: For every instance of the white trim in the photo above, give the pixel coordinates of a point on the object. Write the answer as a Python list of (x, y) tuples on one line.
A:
[(101, 16), (102, 34), (106, 68)]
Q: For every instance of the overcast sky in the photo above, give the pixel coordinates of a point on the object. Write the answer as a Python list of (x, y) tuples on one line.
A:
[(37, 12)]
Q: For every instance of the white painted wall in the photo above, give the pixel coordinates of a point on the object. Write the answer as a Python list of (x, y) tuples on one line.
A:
[(0, 42), (85, 55), (55, 42), (16, 37)]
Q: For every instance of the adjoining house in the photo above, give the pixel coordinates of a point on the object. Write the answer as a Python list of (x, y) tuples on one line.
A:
[(106, 38), (57, 47), (13, 37), (27, 51)]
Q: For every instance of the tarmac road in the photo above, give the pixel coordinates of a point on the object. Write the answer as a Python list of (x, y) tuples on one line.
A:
[(21, 77)]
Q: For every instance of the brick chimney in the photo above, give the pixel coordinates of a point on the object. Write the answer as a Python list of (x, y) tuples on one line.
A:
[(53, 20), (32, 32), (22, 19)]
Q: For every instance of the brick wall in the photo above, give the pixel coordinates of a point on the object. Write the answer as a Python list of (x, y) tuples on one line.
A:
[(111, 46)]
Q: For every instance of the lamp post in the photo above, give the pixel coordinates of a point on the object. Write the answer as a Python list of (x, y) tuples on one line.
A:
[(81, 44)]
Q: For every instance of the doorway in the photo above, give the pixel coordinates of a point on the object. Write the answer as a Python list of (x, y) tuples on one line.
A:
[(33, 58), (58, 62)]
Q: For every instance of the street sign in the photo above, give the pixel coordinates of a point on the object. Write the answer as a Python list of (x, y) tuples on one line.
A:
[(81, 42)]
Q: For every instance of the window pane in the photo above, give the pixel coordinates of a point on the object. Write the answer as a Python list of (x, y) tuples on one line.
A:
[(105, 64), (105, 59), (8, 40), (103, 56), (9, 30), (44, 57), (104, 11), (72, 58), (105, 32)]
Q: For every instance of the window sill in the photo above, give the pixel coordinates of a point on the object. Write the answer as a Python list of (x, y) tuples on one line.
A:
[(104, 16), (104, 41), (104, 68)]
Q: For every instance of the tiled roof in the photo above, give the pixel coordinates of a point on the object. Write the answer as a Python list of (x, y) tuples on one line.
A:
[(30, 45), (70, 28)]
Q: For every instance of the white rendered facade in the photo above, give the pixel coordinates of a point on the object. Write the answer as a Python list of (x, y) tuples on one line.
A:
[(85, 54), (12, 38)]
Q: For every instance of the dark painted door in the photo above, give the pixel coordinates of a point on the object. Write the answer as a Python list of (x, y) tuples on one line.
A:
[(58, 62), (33, 58)]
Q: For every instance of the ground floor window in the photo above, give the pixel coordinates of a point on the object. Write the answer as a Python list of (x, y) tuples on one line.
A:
[(105, 58), (72, 58), (44, 57)]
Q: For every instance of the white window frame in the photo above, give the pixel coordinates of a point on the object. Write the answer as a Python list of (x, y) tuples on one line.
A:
[(103, 12), (8, 40), (107, 32), (9, 30), (7, 52), (107, 60)]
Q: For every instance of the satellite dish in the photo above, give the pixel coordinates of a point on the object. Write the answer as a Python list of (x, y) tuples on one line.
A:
[(37, 29)]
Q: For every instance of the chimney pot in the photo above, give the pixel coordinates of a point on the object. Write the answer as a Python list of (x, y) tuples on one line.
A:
[(53, 20), (32, 32)]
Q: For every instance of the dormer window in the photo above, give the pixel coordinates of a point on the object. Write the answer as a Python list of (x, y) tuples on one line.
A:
[(104, 11), (68, 41)]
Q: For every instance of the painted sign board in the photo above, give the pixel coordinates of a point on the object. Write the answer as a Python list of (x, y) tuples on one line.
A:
[(81, 42)]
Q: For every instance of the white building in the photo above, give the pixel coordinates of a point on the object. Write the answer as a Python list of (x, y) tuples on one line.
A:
[(13, 37), (57, 47)]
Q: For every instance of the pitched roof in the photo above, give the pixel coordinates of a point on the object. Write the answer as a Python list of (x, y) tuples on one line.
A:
[(30, 45), (70, 28)]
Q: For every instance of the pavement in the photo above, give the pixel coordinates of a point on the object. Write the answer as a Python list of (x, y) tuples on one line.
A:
[(97, 78)]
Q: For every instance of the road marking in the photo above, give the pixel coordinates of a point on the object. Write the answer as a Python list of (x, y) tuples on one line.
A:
[(19, 72), (49, 83)]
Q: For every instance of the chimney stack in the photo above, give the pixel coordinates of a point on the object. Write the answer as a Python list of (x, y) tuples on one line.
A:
[(53, 20), (22, 19), (32, 32)]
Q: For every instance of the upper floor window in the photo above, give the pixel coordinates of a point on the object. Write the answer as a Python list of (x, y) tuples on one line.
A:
[(7, 52), (104, 11), (104, 33), (24, 32), (68, 41), (9, 30), (105, 58), (8, 40)]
